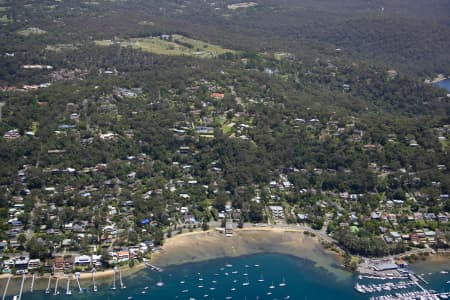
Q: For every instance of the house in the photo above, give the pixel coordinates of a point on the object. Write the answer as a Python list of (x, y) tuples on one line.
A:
[(277, 211), (82, 260), (21, 263), (189, 219), (375, 216), (34, 264), (123, 256), (96, 260), (442, 218), (58, 265), (217, 96)]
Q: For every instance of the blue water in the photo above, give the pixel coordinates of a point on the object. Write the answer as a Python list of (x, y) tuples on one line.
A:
[(214, 280), (223, 278), (444, 84)]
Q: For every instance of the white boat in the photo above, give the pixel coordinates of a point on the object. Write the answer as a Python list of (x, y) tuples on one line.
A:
[(246, 283), (283, 282), (160, 283), (261, 279), (444, 272), (359, 288), (228, 265), (272, 286), (185, 291)]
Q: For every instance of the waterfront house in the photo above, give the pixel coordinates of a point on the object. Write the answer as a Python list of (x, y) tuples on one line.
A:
[(58, 265), (277, 211), (82, 260), (34, 264)]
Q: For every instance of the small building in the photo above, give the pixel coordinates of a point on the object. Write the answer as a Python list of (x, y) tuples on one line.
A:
[(388, 266), (228, 228), (34, 264), (82, 260), (277, 211)]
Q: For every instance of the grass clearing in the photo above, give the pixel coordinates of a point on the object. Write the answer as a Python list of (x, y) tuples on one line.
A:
[(31, 31), (61, 47), (241, 5), (4, 19), (171, 45)]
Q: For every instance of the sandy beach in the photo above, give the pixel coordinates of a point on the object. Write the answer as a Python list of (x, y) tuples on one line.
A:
[(201, 246), (206, 245)]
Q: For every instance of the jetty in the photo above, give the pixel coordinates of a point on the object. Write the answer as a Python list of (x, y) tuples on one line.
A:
[(6, 287), (47, 290), (77, 277), (21, 287), (122, 286), (114, 280), (56, 287), (68, 291), (153, 268), (94, 287), (32, 283)]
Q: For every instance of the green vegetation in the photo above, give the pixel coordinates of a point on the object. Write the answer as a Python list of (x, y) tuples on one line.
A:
[(103, 125), (31, 31)]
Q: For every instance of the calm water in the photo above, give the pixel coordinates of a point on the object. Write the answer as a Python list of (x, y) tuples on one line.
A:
[(233, 278), (444, 84), (222, 278)]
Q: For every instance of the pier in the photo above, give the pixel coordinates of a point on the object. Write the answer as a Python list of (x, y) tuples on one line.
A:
[(6, 287), (94, 288), (56, 287), (114, 280), (77, 277), (153, 268), (47, 290), (32, 283), (122, 286), (21, 287), (68, 291)]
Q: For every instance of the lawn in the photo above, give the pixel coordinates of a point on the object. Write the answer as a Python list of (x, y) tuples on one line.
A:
[(31, 31), (175, 45)]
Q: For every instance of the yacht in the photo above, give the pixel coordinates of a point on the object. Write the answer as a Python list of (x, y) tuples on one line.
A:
[(246, 283), (272, 286), (283, 282), (261, 279)]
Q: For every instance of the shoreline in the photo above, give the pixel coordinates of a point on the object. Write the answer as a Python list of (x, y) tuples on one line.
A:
[(198, 246), (438, 78)]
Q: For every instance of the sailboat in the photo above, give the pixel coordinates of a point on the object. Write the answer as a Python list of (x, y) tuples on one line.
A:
[(272, 286), (246, 283), (160, 283), (283, 282), (261, 279)]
